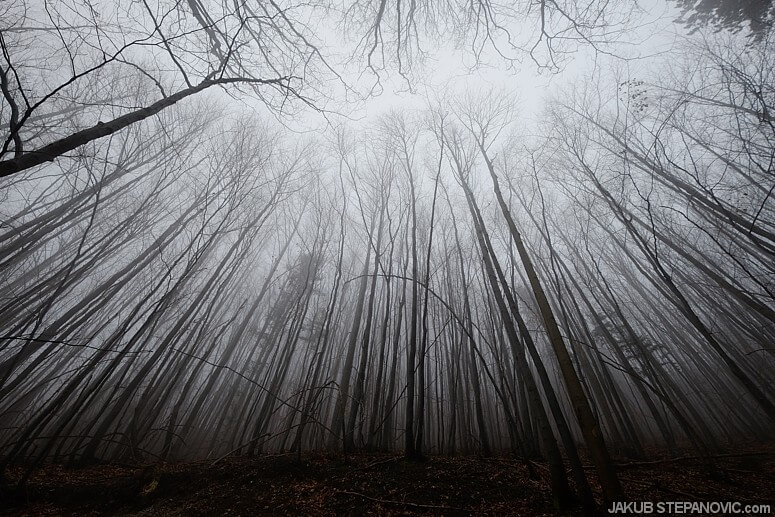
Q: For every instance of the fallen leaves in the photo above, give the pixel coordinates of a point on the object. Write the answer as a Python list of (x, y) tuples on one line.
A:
[(365, 484)]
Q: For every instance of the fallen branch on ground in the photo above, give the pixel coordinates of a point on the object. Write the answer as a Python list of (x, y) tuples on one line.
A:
[(403, 503), (684, 458)]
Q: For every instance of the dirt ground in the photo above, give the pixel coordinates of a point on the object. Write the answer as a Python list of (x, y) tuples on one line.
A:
[(367, 484)]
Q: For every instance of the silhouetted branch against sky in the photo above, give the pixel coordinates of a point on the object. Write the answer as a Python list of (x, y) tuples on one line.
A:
[(235, 227)]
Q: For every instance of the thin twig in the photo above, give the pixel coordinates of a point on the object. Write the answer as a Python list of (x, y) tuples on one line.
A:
[(404, 503)]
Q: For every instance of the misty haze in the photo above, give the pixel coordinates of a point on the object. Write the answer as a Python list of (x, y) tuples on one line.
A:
[(371, 257)]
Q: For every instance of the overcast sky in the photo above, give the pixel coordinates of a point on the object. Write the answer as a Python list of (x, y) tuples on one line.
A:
[(447, 71)]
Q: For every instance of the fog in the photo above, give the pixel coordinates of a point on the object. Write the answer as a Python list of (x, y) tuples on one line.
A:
[(529, 227)]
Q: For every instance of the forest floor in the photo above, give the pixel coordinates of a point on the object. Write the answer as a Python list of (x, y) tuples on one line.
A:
[(368, 484)]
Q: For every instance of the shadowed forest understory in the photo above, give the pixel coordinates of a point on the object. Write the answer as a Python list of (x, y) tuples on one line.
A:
[(470, 305), (375, 484)]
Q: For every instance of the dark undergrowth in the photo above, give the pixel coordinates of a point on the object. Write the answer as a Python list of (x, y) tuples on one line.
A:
[(367, 484)]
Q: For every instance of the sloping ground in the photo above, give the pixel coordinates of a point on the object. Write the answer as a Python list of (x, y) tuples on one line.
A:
[(367, 484)]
